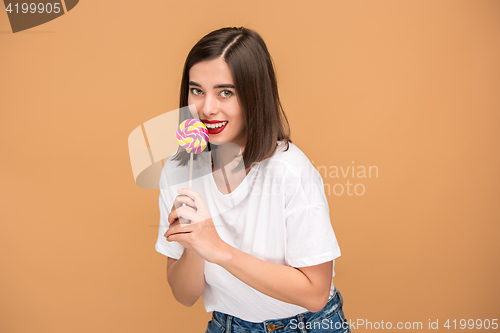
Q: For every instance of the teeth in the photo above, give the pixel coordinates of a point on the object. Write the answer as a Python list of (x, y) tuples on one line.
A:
[(214, 126)]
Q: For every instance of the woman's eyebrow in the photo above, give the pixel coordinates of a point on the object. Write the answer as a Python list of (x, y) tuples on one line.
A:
[(192, 83)]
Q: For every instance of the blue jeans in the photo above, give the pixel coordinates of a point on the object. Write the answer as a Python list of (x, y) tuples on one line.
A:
[(329, 319)]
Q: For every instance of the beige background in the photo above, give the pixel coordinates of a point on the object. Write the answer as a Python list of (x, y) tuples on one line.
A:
[(408, 86)]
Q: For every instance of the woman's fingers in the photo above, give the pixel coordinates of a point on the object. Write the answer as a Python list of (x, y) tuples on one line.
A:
[(179, 213), (184, 214), (188, 206), (173, 224), (180, 201), (198, 201), (176, 228), (189, 214), (183, 199)]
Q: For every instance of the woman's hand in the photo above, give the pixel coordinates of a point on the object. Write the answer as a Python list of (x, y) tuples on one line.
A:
[(201, 235), (180, 201), (173, 217)]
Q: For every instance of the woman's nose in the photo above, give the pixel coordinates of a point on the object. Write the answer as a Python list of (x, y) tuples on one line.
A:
[(209, 106)]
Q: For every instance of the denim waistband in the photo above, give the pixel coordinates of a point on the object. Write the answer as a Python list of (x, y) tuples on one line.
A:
[(235, 324)]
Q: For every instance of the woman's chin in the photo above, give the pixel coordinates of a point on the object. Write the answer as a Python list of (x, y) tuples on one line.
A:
[(216, 139), (213, 142)]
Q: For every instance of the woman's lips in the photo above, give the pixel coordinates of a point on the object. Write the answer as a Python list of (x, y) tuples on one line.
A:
[(216, 130)]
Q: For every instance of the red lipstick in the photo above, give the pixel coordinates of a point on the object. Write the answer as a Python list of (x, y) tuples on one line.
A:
[(214, 130)]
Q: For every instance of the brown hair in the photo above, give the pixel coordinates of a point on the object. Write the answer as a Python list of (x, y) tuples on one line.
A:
[(256, 87)]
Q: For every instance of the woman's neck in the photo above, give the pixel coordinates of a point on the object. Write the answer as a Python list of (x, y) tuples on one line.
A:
[(224, 166)]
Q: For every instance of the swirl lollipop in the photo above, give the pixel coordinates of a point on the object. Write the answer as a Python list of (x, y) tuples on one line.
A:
[(192, 135)]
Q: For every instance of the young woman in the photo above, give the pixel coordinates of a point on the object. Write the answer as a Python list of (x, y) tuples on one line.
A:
[(260, 253)]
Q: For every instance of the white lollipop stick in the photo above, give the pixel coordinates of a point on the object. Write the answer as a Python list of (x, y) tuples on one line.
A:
[(190, 170)]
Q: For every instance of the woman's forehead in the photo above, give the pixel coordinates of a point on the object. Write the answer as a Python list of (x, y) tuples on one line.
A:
[(211, 72)]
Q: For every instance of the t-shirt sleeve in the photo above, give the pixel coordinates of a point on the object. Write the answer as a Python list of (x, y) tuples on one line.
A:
[(170, 249), (310, 236)]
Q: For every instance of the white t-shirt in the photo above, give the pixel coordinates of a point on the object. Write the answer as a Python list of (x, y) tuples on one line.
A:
[(279, 213)]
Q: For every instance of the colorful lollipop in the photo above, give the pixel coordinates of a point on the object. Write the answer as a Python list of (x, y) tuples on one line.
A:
[(192, 135)]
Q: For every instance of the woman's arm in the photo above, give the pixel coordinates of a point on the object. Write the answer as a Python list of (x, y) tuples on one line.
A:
[(186, 277), (305, 286)]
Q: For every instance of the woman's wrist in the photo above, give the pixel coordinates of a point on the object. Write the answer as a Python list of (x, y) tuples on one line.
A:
[(193, 254), (225, 255)]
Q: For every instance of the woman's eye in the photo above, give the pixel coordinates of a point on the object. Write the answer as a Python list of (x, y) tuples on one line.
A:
[(196, 91), (226, 93)]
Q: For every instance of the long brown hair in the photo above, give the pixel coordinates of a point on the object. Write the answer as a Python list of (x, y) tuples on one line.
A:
[(256, 87)]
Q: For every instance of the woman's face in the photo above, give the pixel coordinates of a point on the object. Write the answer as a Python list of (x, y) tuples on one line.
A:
[(211, 89)]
